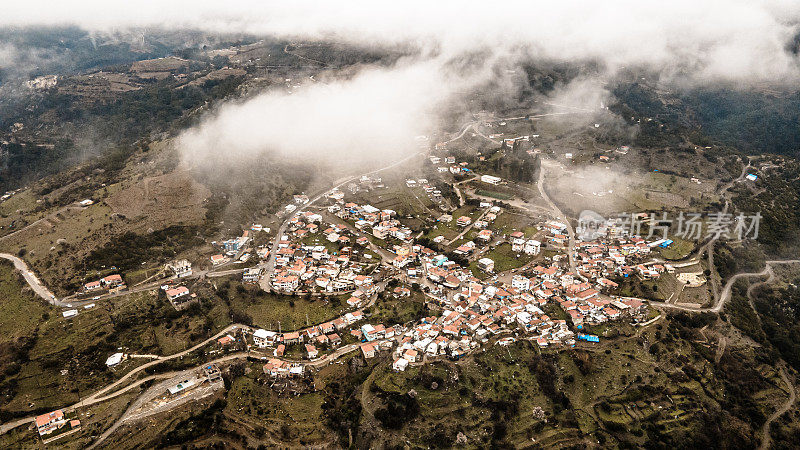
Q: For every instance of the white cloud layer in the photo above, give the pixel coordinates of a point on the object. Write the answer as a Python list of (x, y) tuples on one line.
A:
[(377, 112), (731, 39)]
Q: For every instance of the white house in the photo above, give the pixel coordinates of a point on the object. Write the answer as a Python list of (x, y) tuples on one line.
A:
[(491, 179), (520, 282), (486, 264), (49, 422), (532, 247), (400, 365), (262, 338), (181, 268), (178, 292), (250, 275)]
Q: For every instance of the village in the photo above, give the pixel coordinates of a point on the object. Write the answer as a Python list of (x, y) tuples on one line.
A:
[(331, 246)]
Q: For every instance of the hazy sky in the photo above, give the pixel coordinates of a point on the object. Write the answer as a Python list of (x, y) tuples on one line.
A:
[(382, 109)]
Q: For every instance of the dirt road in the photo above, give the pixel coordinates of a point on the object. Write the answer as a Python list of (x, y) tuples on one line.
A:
[(559, 215), (765, 436)]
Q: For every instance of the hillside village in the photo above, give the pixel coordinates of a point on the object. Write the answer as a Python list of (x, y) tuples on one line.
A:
[(334, 246)]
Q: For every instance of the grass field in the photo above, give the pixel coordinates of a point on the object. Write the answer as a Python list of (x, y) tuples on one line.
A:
[(48, 257), (291, 312), (21, 311), (494, 194), (680, 248), (504, 259), (288, 419), (508, 222), (22, 200), (390, 310)]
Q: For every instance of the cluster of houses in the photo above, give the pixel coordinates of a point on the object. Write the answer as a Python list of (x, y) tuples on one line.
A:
[(475, 310), (303, 267), (299, 200), (323, 336), (235, 245), (482, 223), (382, 224), (521, 244), (111, 283), (449, 164), (472, 310), (278, 368), (614, 252), (434, 194), (557, 234)]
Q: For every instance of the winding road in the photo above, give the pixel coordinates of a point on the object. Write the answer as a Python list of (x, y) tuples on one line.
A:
[(108, 392), (99, 396), (726, 291), (765, 436)]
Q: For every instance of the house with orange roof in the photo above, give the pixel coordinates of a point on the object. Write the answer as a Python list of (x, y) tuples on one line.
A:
[(369, 350), (49, 422)]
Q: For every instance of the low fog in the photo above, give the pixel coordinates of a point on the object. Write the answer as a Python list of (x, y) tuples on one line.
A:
[(378, 111)]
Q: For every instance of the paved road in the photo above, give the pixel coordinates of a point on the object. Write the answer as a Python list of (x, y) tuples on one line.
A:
[(129, 413), (37, 286)]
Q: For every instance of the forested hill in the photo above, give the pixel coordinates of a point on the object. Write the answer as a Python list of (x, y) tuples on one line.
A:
[(750, 120)]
